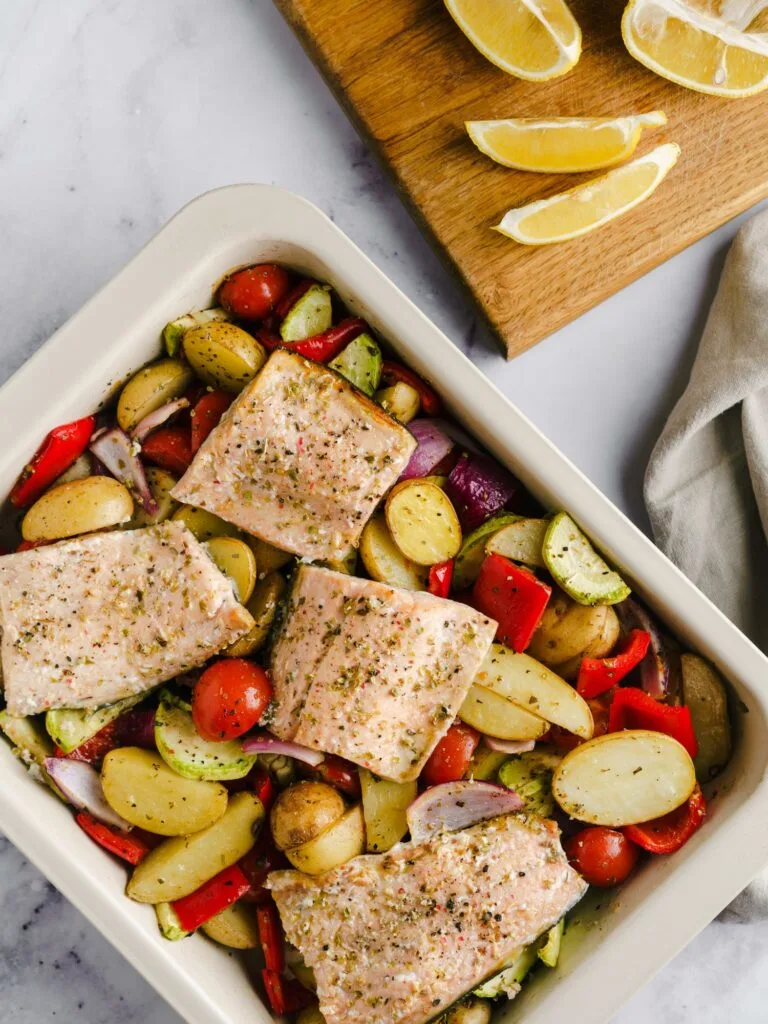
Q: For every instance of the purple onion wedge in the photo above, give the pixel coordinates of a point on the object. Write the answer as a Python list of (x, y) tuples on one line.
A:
[(433, 447), (264, 743), (80, 783), (509, 746), (116, 451), (453, 806), (655, 666), (479, 488), (158, 418)]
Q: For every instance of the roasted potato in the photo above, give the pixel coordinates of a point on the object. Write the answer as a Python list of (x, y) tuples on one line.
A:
[(224, 355), (268, 557), (263, 606), (204, 525), (237, 561), (384, 806), (341, 842), (704, 693), (160, 484), (150, 388), (234, 927), (423, 522), (140, 786), (82, 506), (497, 716), (569, 632), (178, 866), (624, 778), (303, 812), (401, 401), (473, 1011), (385, 562)]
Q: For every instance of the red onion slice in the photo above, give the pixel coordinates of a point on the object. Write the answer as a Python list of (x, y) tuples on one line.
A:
[(433, 447), (81, 785), (264, 743), (116, 450), (456, 805), (479, 488), (655, 666), (158, 418), (136, 728), (509, 746)]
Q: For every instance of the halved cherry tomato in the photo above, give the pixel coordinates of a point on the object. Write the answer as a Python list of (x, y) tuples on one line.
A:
[(604, 857), (668, 833), (206, 415), (170, 448), (229, 698), (251, 294), (339, 773), (451, 757)]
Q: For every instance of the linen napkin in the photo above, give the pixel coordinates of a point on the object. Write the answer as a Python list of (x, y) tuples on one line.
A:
[(706, 486)]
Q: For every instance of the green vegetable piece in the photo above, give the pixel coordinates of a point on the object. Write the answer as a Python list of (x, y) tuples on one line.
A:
[(521, 542), (530, 775), (706, 697), (31, 743), (69, 728), (173, 332), (550, 951), (187, 753), (466, 568), (311, 315), (168, 923), (509, 980), (578, 568), (485, 764), (360, 362)]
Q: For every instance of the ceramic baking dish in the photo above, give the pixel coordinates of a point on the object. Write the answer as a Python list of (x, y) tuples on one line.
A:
[(668, 902)]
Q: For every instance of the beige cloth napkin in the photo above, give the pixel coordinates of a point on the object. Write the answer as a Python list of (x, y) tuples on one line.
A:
[(706, 487)]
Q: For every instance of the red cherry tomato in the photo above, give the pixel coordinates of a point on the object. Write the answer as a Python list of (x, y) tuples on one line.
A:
[(339, 773), (206, 415), (602, 856), (251, 294), (452, 755), (229, 699), (170, 448)]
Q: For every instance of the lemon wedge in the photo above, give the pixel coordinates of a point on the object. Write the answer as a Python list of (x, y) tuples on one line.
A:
[(558, 145), (533, 39), (712, 46), (586, 207)]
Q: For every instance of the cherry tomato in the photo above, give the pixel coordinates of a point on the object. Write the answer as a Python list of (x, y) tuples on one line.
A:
[(206, 415), (452, 755), (339, 773), (170, 448), (668, 833), (251, 294), (229, 699), (602, 856)]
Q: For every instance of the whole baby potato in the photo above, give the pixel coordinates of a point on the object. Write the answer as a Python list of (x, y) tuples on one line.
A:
[(150, 388), (302, 812), (140, 786), (80, 506), (224, 355), (569, 632)]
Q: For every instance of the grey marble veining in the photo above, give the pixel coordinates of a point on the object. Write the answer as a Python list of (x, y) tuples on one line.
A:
[(112, 115)]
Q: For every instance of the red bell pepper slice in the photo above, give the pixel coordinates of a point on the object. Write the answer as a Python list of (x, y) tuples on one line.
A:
[(271, 936), (258, 863), (392, 373), (597, 675), (170, 448), (285, 995), (263, 785), (125, 845), (206, 415), (513, 596), (668, 833), (634, 709), (59, 450), (338, 772), (211, 898), (268, 338), (326, 346), (440, 578), (29, 545)]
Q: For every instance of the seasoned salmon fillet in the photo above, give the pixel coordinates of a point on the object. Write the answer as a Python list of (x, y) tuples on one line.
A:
[(89, 621), (399, 937), (371, 672), (301, 459)]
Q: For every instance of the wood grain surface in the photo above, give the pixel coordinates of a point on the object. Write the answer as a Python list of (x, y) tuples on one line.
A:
[(410, 80)]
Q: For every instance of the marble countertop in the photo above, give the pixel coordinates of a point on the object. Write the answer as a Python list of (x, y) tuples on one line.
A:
[(115, 114)]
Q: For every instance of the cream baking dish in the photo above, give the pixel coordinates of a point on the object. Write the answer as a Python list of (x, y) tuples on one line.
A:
[(667, 903)]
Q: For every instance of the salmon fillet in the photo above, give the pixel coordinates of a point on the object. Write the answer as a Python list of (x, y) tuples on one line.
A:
[(301, 459), (371, 672), (89, 621), (399, 937)]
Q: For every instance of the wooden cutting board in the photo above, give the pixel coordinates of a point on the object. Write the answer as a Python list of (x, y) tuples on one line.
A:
[(410, 79)]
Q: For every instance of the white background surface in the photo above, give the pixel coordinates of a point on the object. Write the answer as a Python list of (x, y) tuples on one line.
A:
[(113, 114)]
